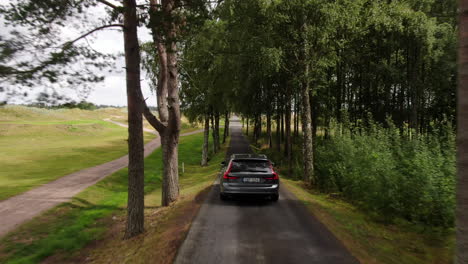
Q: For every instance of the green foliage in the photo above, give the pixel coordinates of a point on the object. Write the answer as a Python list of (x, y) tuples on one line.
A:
[(81, 105), (34, 52), (395, 175)]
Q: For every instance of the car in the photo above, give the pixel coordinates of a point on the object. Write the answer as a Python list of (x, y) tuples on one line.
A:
[(249, 174)]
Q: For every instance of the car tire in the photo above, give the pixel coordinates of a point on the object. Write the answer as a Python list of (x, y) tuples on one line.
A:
[(223, 197), (275, 197)]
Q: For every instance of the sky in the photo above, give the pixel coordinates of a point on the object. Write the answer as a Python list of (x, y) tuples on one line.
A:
[(111, 91)]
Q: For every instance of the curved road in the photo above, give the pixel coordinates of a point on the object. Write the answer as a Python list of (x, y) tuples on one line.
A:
[(253, 231)]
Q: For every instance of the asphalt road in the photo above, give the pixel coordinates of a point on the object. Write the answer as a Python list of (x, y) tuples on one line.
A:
[(254, 231)]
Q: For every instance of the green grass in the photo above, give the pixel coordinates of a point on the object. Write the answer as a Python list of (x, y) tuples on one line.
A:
[(69, 227), (40, 145), (371, 240)]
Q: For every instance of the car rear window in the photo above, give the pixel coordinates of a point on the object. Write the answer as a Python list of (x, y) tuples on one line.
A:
[(250, 165)]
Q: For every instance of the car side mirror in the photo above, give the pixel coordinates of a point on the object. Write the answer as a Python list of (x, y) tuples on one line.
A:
[(223, 163), (272, 163)]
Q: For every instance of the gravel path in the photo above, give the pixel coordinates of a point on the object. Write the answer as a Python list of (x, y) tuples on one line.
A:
[(23, 207)]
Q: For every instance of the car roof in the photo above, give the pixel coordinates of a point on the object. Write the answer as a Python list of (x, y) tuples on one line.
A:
[(249, 156)]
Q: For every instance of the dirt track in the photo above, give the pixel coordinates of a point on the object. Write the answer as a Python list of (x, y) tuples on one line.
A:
[(21, 208)]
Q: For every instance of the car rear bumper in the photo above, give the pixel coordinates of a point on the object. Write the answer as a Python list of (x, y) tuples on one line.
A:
[(227, 189)]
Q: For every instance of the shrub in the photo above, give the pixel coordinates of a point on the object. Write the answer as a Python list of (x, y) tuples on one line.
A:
[(394, 174)]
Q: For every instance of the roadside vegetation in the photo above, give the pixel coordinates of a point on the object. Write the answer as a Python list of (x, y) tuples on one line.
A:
[(369, 237), (388, 196), (91, 219)]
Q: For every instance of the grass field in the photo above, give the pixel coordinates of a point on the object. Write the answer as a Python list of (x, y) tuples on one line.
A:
[(40, 145), (186, 126), (60, 233)]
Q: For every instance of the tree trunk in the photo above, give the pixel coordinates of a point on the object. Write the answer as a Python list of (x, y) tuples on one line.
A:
[(135, 204), (217, 131), (168, 124), (278, 127), (307, 144), (288, 142), (226, 126), (314, 115), (213, 132), (339, 87), (247, 130), (296, 118), (161, 89), (462, 138), (270, 143), (255, 130), (206, 137), (170, 190), (282, 123), (170, 140)]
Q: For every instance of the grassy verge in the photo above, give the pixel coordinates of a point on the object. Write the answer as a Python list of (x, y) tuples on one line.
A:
[(367, 235), (92, 217), (40, 147), (372, 241)]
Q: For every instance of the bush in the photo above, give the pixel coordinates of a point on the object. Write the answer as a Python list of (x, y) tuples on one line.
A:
[(393, 174)]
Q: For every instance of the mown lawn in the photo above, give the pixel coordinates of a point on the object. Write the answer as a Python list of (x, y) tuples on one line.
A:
[(41, 145), (63, 231)]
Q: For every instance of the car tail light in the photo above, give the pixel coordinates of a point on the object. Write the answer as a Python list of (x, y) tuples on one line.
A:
[(275, 174), (226, 174)]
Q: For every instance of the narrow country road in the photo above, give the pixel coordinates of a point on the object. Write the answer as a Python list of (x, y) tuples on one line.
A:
[(23, 207), (253, 231)]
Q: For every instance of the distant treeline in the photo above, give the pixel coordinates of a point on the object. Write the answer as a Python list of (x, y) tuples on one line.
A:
[(80, 105)]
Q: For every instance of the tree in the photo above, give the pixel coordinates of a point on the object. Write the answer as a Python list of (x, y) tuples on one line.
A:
[(169, 19), (43, 18), (164, 21), (136, 168), (307, 144), (462, 139)]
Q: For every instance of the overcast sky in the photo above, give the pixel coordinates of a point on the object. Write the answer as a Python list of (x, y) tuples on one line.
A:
[(112, 91)]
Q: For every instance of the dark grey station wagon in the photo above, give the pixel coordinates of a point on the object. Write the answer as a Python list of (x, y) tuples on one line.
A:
[(249, 174)]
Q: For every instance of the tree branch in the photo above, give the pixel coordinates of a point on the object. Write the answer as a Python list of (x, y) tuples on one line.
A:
[(152, 119), (108, 4), (92, 31)]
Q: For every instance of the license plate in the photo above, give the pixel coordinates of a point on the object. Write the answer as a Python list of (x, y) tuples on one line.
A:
[(251, 179)]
